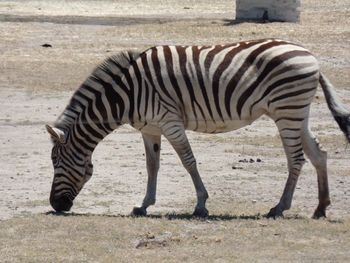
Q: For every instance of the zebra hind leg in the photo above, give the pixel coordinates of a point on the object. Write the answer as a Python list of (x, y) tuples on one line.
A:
[(290, 131), (318, 159), (152, 149)]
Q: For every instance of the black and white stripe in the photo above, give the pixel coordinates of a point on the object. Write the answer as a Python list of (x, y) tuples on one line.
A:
[(166, 90)]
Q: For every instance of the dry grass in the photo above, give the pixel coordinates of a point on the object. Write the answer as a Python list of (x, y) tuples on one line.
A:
[(172, 238)]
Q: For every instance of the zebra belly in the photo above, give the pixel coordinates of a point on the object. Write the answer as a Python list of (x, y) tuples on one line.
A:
[(147, 128), (216, 127)]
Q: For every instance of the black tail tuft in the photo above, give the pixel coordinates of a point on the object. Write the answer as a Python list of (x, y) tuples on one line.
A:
[(344, 124)]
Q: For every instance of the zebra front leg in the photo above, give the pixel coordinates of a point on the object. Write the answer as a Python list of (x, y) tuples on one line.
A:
[(177, 137), (291, 139), (152, 149)]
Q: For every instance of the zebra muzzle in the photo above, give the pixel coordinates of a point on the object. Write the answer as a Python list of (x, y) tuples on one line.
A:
[(62, 203)]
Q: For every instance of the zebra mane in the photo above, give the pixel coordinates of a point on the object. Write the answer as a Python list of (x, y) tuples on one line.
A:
[(121, 60), (116, 65)]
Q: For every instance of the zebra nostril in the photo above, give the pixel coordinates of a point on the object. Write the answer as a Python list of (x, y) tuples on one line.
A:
[(62, 203)]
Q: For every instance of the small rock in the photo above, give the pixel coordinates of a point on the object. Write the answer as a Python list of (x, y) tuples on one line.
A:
[(150, 235), (46, 45), (150, 243), (151, 240), (262, 224), (175, 239)]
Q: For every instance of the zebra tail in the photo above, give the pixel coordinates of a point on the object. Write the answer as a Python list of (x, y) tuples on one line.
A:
[(338, 110)]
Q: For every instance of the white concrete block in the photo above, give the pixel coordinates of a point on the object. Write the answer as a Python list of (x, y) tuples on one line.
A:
[(272, 10)]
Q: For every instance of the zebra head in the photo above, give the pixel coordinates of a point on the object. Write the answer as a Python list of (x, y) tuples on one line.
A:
[(72, 170)]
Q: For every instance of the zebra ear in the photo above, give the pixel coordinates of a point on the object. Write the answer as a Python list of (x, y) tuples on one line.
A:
[(57, 135)]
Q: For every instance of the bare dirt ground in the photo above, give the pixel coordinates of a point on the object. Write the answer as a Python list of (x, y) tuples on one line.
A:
[(37, 82)]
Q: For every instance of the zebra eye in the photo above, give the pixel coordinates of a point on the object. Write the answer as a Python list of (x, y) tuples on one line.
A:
[(54, 159), (55, 155)]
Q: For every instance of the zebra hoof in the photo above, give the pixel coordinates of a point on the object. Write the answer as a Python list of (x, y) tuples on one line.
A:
[(201, 212), (139, 211), (319, 213), (275, 213)]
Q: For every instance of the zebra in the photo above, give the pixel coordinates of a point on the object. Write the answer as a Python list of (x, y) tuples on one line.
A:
[(166, 90)]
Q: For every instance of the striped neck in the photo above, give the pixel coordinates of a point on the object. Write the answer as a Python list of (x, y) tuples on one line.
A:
[(86, 120), (99, 106)]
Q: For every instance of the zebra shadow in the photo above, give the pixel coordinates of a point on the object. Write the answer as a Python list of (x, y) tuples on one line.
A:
[(174, 216)]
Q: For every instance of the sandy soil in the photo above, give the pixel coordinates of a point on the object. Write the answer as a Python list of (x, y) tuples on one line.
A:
[(37, 82)]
